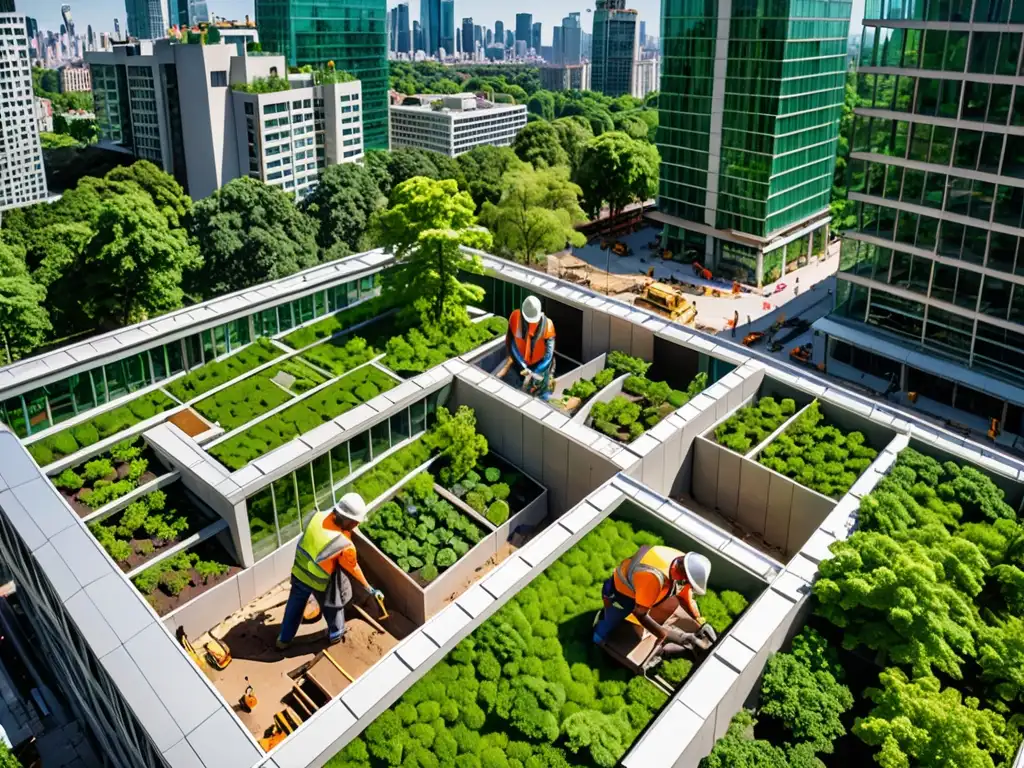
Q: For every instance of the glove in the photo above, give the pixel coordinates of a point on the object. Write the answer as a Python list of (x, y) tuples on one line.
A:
[(708, 631), (526, 373), (376, 594), (676, 636)]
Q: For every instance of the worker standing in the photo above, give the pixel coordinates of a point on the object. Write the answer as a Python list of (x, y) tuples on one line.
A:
[(652, 575), (530, 345), (325, 545)]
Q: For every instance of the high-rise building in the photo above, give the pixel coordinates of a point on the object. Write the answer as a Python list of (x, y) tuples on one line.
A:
[(535, 36), (187, 109), (147, 19), (646, 76), (446, 37), (478, 35), (524, 27), (587, 45), (556, 46), (89, 39), (69, 24), (430, 23), (188, 13), (417, 36), (468, 36), (117, 29), (643, 34), (566, 77), (747, 157), (568, 39), (74, 79), (616, 51), (930, 293), (510, 39), (22, 180), (391, 21), (458, 39), (403, 44), (520, 48), (499, 32), (351, 33)]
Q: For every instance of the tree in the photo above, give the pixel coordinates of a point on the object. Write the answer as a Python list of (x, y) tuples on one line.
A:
[(45, 81), (536, 215), (454, 436), (248, 233), (426, 224), (7, 759), (407, 163), (133, 266), (60, 247), (542, 104), (212, 35), (166, 193), (376, 162), (617, 170), (483, 167), (807, 701), (50, 141), (537, 143), (918, 723), (342, 204), (23, 321), (573, 135)]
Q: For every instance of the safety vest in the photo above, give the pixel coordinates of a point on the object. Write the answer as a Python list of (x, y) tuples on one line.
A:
[(317, 545), (653, 560), (531, 346)]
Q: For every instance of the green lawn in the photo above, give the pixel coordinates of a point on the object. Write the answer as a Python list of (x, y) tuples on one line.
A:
[(212, 375)]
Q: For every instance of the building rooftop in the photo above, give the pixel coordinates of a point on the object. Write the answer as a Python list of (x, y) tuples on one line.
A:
[(459, 103)]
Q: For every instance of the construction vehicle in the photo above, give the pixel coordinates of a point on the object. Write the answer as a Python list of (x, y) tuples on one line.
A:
[(667, 302), (752, 338), (620, 249), (666, 255), (218, 654), (802, 354)]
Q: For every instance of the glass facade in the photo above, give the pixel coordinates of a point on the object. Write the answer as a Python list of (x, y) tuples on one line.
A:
[(937, 175), (351, 33), (615, 48), (280, 511)]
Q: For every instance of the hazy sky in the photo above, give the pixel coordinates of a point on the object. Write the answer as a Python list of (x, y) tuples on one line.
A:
[(101, 13)]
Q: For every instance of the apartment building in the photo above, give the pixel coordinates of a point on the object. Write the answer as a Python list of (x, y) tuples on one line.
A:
[(930, 296), (616, 48), (566, 77), (646, 76), (22, 178), (75, 79), (455, 124), (184, 108)]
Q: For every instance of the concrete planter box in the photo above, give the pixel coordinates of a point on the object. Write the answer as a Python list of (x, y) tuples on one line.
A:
[(605, 395)]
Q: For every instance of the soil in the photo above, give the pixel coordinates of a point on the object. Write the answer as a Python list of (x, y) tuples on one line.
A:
[(731, 526), (189, 422), (164, 603), (573, 269), (121, 470)]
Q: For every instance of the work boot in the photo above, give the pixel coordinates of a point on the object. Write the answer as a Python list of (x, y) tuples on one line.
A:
[(281, 645)]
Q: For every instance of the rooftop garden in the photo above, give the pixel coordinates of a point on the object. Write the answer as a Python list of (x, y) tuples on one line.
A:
[(214, 374), (176, 580), (375, 481), (751, 426), (580, 393), (107, 424), (818, 455), (527, 687), (420, 349), (272, 84), (105, 479), (340, 355), (313, 410), (340, 321)]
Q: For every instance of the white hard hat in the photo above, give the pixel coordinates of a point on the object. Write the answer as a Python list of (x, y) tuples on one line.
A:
[(698, 569), (532, 310), (352, 506)]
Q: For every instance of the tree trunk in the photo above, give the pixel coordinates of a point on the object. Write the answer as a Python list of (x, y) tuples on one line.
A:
[(7, 349)]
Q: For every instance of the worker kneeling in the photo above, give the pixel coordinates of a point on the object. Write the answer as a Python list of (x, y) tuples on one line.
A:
[(652, 575), (530, 346), (325, 545)]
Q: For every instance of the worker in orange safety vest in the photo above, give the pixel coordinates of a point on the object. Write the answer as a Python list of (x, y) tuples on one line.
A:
[(530, 345), (652, 575)]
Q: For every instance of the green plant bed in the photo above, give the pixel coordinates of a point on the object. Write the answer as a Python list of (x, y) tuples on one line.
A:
[(418, 350), (340, 355), (385, 474), (328, 403), (528, 687), (643, 404), (182, 577), (147, 526), (212, 375), (420, 532), (493, 488), (336, 323), (100, 427), (751, 426), (104, 479), (255, 395), (817, 455)]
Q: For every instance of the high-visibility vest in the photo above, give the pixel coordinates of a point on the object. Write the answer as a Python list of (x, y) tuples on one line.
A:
[(653, 560), (531, 339), (317, 545)]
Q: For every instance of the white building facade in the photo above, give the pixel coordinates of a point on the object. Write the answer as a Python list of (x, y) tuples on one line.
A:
[(75, 79), (453, 125), (22, 178)]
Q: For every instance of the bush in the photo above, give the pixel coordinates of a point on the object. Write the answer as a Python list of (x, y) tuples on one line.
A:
[(68, 480), (99, 468), (126, 450), (423, 348), (622, 363), (498, 512), (214, 374)]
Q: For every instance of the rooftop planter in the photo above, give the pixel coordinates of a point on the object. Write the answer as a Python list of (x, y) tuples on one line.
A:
[(416, 351), (178, 579), (109, 477), (148, 526), (313, 410), (339, 322), (818, 455), (752, 425), (340, 355), (496, 490), (375, 481), (99, 427), (527, 685), (256, 395), (214, 374)]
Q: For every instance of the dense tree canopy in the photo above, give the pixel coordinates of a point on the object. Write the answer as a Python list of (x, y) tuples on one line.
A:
[(618, 171), (23, 319), (483, 168), (342, 204), (537, 143)]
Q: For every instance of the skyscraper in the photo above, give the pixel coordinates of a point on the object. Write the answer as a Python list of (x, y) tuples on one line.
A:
[(447, 28), (468, 36), (535, 36), (417, 36), (556, 45), (430, 23), (524, 27), (747, 183), (478, 35), (930, 295), (499, 32), (392, 26), (643, 34), (351, 33), (65, 13), (571, 39), (403, 44), (615, 48), (490, 38), (510, 39), (147, 19)]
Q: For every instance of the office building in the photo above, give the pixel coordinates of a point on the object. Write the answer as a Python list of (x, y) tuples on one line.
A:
[(403, 43), (468, 36), (22, 179), (430, 23), (417, 36), (646, 76), (587, 45), (478, 35), (520, 49), (351, 33), (447, 29), (69, 24), (488, 38), (458, 39), (188, 13), (566, 77), (147, 19), (930, 296), (524, 27), (453, 125), (74, 79), (567, 41), (499, 32), (391, 22), (496, 52), (510, 39), (744, 202), (546, 52), (643, 33), (184, 107), (535, 31), (616, 37)]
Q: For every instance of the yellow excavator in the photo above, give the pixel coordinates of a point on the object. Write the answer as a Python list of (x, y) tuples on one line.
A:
[(667, 302)]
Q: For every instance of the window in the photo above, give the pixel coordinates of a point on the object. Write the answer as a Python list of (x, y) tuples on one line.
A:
[(219, 79)]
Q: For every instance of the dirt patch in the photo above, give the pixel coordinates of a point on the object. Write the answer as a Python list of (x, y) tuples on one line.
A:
[(121, 470), (575, 270), (189, 422), (163, 603), (731, 526), (504, 552)]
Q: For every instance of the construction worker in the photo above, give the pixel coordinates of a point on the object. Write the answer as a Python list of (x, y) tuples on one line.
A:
[(650, 576), (325, 545), (530, 345)]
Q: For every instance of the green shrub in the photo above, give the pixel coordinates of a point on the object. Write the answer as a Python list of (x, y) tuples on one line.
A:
[(501, 491), (214, 374), (493, 474), (340, 358), (429, 572), (126, 450), (145, 547), (420, 349), (86, 434), (584, 390), (498, 512), (147, 581), (751, 425), (623, 363), (210, 568), (41, 453), (98, 468), (68, 480), (174, 582), (336, 323)]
